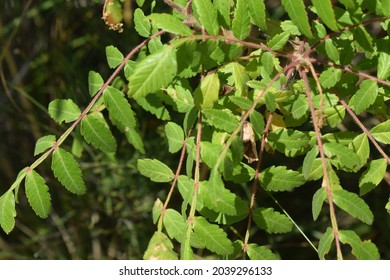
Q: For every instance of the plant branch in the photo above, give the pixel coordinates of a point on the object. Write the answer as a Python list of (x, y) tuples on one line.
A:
[(326, 182)]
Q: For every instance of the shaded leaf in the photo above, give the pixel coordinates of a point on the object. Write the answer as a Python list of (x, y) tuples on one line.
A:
[(44, 143), (155, 170), (153, 104), (363, 250), (364, 97), (37, 193), (67, 170), (308, 162), (153, 72), (134, 138), (317, 202), (207, 92), (96, 132), (213, 236), (325, 243), (256, 252), (64, 110), (341, 156), (330, 77), (272, 221), (354, 205), (7, 211), (331, 51)]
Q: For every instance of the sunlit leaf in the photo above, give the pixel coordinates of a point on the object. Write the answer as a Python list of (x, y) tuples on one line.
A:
[(240, 24), (297, 13), (325, 11), (308, 162), (372, 176), (330, 77), (342, 157), (7, 211), (95, 82), (278, 41), (317, 202), (364, 97), (141, 23), (381, 132), (207, 92), (256, 252), (114, 56), (170, 24), (221, 119), (67, 170), (363, 250), (175, 136), (160, 248), (207, 15), (37, 193), (272, 221), (44, 143), (384, 63), (279, 178), (325, 243), (257, 12)]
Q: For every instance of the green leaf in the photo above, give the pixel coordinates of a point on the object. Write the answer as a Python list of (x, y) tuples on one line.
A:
[(182, 98), (134, 138), (153, 104), (241, 20), (175, 136), (7, 211), (279, 178), (256, 252), (330, 77), (257, 12), (64, 110), (67, 170), (209, 152), (363, 250), (270, 101), (141, 23), (153, 72), (157, 209), (342, 157), (272, 221), (37, 193), (207, 15), (242, 102), (96, 132), (257, 122), (114, 56), (297, 13), (308, 162), (221, 119), (381, 132), (334, 115), (240, 77), (160, 248), (386, 7), (317, 202), (361, 146), (289, 141), (186, 189), (354, 205), (223, 9), (155, 170), (95, 82), (364, 97), (213, 236), (325, 11), (299, 107), (175, 225), (290, 27), (207, 93), (170, 24), (278, 41), (325, 243), (372, 176), (384, 64), (331, 51), (119, 108), (363, 40), (44, 143)]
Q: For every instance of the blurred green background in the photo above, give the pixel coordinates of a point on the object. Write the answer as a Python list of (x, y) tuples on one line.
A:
[(47, 49)]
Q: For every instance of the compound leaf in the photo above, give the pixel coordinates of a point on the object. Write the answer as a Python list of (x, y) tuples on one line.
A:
[(96, 132), (354, 205), (37, 193), (153, 72), (213, 236), (67, 171), (155, 170), (272, 221), (64, 110), (7, 211)]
